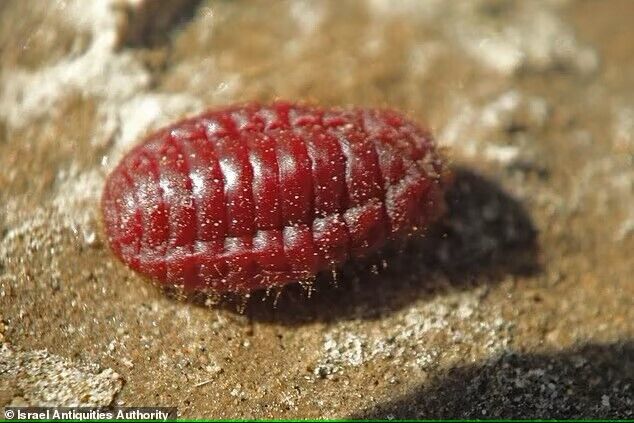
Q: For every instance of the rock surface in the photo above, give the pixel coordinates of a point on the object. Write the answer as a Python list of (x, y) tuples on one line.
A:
[(520, 303)]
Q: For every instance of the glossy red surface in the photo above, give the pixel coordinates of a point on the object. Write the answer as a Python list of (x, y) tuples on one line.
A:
[(256, 196)]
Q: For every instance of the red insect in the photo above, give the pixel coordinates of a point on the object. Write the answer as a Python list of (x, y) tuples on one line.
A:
[(258, 196)]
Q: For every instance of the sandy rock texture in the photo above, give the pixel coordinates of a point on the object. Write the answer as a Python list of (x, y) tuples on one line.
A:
[(519, 303)]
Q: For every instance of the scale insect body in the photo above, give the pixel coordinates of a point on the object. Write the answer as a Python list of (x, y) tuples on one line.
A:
[(258, 196)]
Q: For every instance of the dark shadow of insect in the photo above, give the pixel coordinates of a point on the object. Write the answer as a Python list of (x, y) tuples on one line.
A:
[(594, 381), (485, 236)]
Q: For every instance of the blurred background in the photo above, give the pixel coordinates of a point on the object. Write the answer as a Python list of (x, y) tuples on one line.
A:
[(520, 302)]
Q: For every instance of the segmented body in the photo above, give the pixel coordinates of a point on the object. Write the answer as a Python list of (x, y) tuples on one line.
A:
[(257, 196)]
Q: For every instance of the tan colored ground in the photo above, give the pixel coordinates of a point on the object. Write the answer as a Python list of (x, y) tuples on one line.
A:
[(521, 303)]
